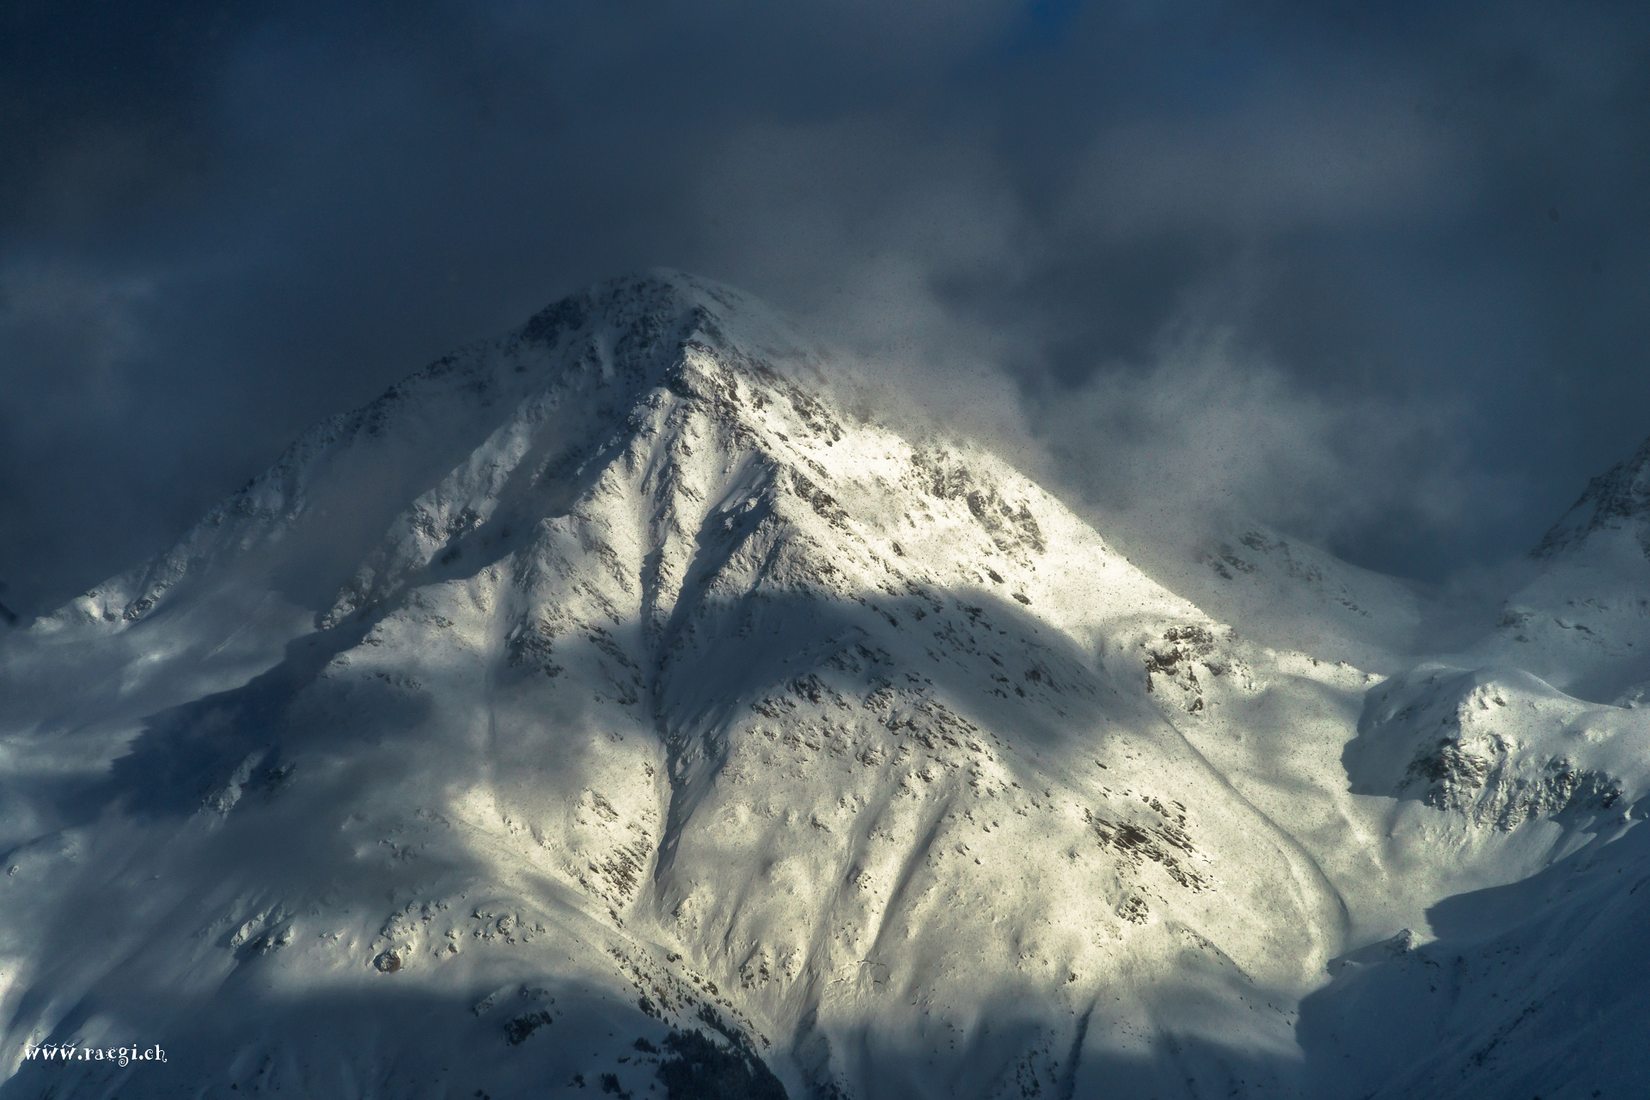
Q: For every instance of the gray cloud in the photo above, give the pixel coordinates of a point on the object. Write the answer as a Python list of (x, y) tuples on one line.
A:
[(1396, 249)]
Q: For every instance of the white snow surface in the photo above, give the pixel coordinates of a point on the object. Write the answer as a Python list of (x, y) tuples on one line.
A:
[(602, 709)]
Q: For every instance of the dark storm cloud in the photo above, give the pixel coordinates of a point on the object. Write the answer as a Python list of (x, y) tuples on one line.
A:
[(1379, 278)]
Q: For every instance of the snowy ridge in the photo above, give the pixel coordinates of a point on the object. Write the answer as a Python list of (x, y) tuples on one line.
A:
[(1500, 747), (603, 709)]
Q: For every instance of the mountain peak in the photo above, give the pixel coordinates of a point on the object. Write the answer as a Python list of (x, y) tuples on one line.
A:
[(666, 307), (660, 293), (1614, 499), (570, 381)]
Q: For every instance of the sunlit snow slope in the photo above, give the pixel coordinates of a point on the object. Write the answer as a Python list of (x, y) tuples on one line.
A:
[(603, 709)]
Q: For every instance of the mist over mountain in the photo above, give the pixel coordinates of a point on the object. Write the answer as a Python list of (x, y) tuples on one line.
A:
[(619, 705), (1374, 276)]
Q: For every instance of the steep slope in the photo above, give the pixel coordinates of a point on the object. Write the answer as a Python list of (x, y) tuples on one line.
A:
[(600, 708), (1583, 623), (1293, 597), (1534, 988)]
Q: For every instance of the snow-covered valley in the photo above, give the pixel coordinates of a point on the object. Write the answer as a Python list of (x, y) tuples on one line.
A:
[(605, 709)]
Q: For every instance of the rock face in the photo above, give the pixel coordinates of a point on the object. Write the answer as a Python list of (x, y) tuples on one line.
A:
[(604, 708)]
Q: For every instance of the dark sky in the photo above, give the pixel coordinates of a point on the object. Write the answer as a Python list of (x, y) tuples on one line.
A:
[(1379, 275)]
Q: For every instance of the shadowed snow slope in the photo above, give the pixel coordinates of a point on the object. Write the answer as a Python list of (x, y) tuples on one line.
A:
[(601, 708)]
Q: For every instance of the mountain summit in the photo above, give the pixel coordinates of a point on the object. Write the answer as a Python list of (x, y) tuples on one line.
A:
[(603, 708)]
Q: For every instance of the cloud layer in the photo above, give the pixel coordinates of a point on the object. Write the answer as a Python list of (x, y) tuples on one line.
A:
[(1377, 278)]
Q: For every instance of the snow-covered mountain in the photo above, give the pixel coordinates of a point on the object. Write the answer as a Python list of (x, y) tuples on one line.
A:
[(1584, 621), (604, 709)]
